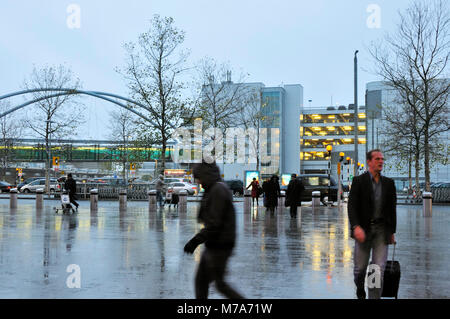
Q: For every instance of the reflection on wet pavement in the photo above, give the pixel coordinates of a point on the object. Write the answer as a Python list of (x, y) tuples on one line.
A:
[(139, 254)]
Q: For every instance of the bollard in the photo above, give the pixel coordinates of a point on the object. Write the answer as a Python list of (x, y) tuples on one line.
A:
[(427, 204), (13, 198), (123, 199), (281, 200), (247, 201), (152, 200), (94, 199), (39, 198), (315, 199), (182, 204)]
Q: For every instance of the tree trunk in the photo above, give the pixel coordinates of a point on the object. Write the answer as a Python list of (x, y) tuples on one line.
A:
[(427, 160), (417, 168)]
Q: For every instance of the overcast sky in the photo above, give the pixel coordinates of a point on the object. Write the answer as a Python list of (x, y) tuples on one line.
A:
[(311, 43)]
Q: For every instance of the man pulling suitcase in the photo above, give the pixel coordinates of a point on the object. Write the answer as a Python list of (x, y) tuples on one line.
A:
[(373, 220)]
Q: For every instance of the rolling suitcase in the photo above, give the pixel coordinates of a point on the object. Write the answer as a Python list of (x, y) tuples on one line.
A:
[(391, 279)]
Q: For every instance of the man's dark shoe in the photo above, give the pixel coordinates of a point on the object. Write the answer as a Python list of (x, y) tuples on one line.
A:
[(360, 293)]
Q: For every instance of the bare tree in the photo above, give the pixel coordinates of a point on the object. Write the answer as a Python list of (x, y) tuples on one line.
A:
[(123, 129), (10, 130), (252, 116), (153, 71), (414, 62), (53, 117), (221, 101)]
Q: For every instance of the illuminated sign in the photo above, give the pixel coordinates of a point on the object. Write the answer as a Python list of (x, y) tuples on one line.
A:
[(174, 172), (249, 175), (285, 179)]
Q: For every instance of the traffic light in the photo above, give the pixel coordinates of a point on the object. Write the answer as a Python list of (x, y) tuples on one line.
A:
[(341, 156)]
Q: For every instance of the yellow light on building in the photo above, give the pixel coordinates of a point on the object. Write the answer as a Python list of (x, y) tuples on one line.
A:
[(362, 128), (348, 140), (362, 140), (362, 115), (315, 128), (347, 128), (331, 116), (323, 133), (316, 116), (331, 128), (346, 114), (308, 133)]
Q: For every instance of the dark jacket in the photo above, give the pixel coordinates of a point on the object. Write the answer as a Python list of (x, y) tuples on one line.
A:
[(360, 204), (216, 210), (70, 185), (272, 192), (294, 192)]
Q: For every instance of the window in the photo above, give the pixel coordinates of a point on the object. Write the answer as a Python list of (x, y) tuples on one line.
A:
[(324, 181), (311, 181)]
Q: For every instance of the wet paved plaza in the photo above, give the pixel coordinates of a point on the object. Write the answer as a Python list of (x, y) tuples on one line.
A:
[(137, 254)]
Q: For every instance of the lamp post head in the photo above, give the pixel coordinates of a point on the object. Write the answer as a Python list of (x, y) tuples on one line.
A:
[(329, 147)]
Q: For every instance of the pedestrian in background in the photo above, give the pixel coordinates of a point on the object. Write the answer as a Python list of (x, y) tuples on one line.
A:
[(294, 195), (219, 232), (372, 211), (272, 192), (160, 185), (71, 186), (255, 191)]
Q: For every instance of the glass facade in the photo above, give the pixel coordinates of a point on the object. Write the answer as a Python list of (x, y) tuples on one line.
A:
[(271, 107)]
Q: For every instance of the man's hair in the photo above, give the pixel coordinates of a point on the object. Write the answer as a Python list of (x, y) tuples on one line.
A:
[(369, 153), (69, 175)]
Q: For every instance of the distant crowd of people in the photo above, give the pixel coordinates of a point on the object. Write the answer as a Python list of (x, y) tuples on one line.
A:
[(270, 189)]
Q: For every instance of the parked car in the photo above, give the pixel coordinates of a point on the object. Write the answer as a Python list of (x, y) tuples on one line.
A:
[(319, 182), (178, 186), (236, 186), (28, 181), (40, 183), (5, 187)]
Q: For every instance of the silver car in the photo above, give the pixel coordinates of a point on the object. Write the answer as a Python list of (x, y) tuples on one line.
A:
[(178, 186), (40, 183)]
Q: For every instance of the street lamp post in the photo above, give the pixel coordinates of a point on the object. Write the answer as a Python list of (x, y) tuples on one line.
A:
[(329, 149), (348, 159), (341, 158), (355, 124)]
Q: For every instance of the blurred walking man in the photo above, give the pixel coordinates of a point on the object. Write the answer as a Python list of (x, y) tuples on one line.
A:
[(219, 232), (373, 219)]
